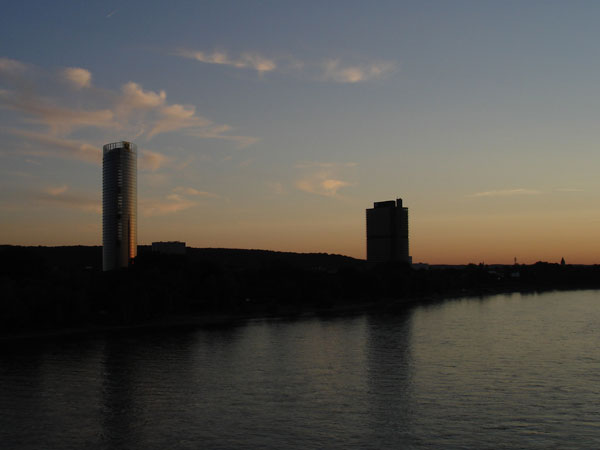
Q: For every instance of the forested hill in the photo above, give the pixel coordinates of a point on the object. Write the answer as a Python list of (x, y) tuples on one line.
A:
[(60, 287), (90, 257), (267, 258)]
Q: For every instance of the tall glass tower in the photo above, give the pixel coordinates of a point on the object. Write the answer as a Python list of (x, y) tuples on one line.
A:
[(119, 205)]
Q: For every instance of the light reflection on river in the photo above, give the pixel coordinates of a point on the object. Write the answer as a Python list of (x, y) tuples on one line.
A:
[(507, 371)]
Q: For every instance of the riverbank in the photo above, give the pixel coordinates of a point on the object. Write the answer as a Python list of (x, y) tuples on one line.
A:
[(182, 322), (63, 291)]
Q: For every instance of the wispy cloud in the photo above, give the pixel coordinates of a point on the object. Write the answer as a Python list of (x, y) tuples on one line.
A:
[(132, 111), (150, 114), (59, 119), (152, 161), (178, 200), (134, 97), (112, 13), (276, 187), (330, 70), (11, 66), (322, 178), (78, 77), (335, 70), (194, 192), (54, 191), (62, 197), (569, 190), (168, 205), (218, 132), (506, 193), (44, 145), (244, 61), (321, 185), (54, 147), (177, 117), (154, 179), (326, 165)]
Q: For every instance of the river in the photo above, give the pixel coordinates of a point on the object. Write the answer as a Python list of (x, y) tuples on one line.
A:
[(504, 371)]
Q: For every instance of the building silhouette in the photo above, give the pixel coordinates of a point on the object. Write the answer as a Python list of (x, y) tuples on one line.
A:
[(387, 232), (119, 205)]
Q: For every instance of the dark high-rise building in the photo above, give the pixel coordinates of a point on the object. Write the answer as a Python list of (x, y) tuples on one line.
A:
[(119, 205), (387, 232)]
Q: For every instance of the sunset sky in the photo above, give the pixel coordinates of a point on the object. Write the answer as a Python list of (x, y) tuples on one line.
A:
[(275, 124)]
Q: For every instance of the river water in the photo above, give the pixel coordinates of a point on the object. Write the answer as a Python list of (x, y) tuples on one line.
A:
[(505, 371)]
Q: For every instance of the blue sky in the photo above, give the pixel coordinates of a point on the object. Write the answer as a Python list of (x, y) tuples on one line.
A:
[(275, 124)]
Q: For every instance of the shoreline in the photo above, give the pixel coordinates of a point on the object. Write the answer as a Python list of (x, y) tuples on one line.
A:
[(221, 319)]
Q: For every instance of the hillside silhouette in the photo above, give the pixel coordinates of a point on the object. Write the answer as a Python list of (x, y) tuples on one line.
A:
[(54, 288)]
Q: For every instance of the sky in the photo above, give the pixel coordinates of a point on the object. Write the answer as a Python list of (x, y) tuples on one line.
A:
[(275, 124)]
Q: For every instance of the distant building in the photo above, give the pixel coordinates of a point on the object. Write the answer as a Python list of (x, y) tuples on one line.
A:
[(119, 205), (169, 248), (387, 232)]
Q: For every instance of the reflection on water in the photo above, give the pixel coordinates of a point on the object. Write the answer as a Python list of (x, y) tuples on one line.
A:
[(390, 380), (50, 395), (501, 372)]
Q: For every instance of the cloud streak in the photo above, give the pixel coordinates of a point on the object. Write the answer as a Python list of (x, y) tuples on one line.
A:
[(247, 60), (322, 178), (151, 161), (334, 70), (134, 97), (78, 77), (177, 117), (53, 147), (132, 111), (569, 190), (330, 70), (326, 165), (59, 119), (194, 192), (506, 193), (218, 132), (11, 66), (170, 204), (321, 185), (43, 145), (275, 187), (54, 191), (178, 200), (61, 197)]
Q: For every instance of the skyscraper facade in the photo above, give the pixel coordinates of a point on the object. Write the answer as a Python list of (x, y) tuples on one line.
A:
[(387, 232), (119, 205)]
